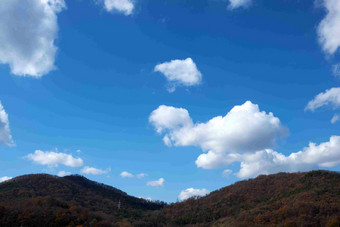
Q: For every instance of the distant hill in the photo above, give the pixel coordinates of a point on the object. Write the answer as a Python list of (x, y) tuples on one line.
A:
[(283, 199), (45, 200)]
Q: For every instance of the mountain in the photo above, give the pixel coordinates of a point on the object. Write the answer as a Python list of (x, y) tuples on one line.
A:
[(45, 200), (283, 199)]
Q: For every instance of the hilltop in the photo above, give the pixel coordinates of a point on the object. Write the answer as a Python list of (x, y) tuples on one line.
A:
[(283, 199)]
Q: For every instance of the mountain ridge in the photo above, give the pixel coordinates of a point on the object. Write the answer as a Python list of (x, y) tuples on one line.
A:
[(282, 199)]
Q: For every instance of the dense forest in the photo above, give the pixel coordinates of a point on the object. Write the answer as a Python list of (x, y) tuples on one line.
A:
[(283, 199)]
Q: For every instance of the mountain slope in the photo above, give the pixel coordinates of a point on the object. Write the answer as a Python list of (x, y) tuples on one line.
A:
[(284, 199), (45, 200)]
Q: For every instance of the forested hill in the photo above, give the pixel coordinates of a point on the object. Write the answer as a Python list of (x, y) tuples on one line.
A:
[(283, 199), (45, 200)]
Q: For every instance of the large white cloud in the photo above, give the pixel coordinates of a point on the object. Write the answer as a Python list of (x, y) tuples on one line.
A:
[(191, 192), (329, 28), (5, 133), (28, 30), (53, 159), (244, 129), (156, 183), (93, 171), (329, 97), (123, 6), (180, 73), (234, 4), (314, 156), (3, 179)]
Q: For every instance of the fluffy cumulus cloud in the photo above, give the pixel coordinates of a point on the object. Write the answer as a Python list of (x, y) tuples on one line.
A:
[(28, 30), (3, 179), (244, 129), (180, 73), (329, 28), (53, 159), (5, 133), (94, 171), (329, 97), (192, 192), (123, 6), (63, 173), (234, 4), (156, 183), (314, 156)]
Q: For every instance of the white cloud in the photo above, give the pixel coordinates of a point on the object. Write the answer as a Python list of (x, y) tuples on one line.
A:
[(191, 192), (314, 156), (53, 159), (63, 173), (126, 175), (28, 30), (5, 133), (335, 118), (336, 70), (234, 4), (123, 6), (180, 73), (244, 129), (329, 97), (156, 183), (141, 175), (329, 28), (226, 173), (3, 179), (94, 171), (170, 118)]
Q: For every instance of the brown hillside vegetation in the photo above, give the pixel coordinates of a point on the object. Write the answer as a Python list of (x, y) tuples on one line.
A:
[(284, 199), (45, 200)]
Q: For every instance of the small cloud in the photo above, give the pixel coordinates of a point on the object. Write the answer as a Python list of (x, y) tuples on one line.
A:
[(3, 179), (63, 173), (141, 175), (180, 73), (191, 192), (94, 171), (156, 183), (335, 118), (53, 159), (336, 70), (226, 173), (329, 27), (122, 6), (234, 4), (329, 97), (5, 133), (78, 151), (126, 174)]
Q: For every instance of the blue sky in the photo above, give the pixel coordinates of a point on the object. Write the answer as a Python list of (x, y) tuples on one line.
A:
[(96, 104)]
